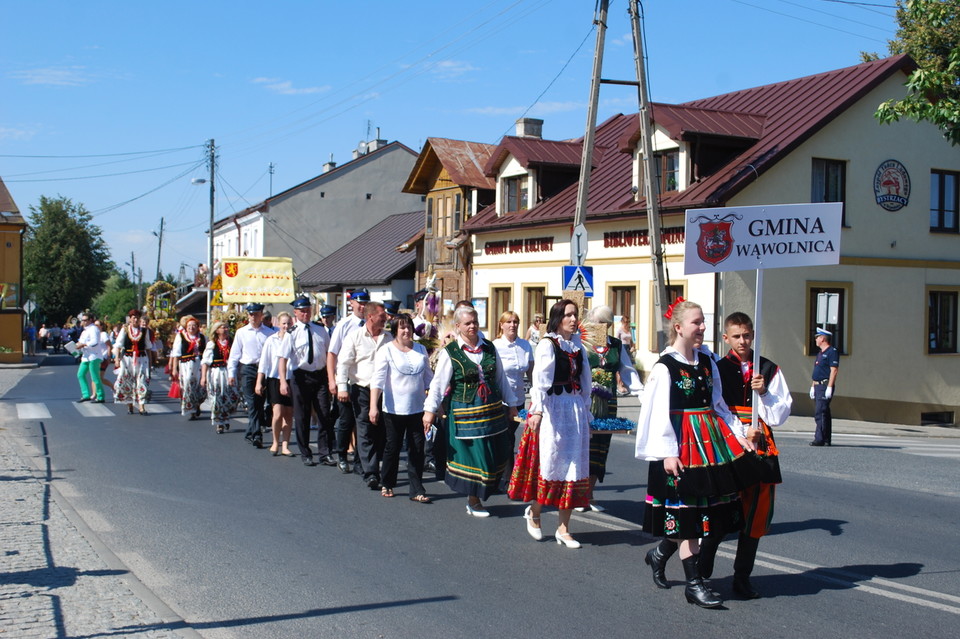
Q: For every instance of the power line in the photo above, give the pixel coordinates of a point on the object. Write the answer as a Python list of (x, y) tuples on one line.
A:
[(142, 195), (104, 155), (91, 177), (88, 166)]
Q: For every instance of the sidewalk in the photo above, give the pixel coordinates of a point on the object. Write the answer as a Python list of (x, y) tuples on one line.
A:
[(56, 579)]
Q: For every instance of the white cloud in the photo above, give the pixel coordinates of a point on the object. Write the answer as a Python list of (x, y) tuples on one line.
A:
[(541, 108), (450, 69), (72, 76), (285, 87), (7, 133), (625, 40)]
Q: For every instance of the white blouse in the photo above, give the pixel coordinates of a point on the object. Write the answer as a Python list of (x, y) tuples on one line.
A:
[(403, 377), (516, 357), (545, 364), (273, 349)]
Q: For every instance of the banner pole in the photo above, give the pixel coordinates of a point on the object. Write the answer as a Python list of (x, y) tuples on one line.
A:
[(757, 319)]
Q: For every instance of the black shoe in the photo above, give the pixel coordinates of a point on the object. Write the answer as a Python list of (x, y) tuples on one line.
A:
[(429, 467), (817, 444), (257, 442), (308, 461), (742, 586), (83, 399), (328, 460), (344, 467), (695, 592), (97, 401), (656, 558), (373, 483)]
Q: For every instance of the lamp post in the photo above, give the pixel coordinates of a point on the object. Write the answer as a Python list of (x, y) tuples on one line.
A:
[(212, 162)]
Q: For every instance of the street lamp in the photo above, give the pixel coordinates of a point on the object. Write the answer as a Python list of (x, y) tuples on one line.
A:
[(212, 161)]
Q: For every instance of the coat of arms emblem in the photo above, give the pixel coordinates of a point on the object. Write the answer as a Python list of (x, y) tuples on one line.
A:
[(231, 269), (716, 240)]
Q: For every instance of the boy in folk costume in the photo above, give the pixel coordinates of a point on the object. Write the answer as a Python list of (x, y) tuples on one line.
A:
[(739, 380)]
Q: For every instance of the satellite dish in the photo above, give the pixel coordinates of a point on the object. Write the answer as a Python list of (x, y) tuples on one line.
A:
[(362, 147)]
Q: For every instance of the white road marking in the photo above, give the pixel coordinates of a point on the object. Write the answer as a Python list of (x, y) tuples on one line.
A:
[(88, 409), (33, 411)]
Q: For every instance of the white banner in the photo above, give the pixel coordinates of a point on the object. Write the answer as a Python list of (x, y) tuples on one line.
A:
[(760, 237)]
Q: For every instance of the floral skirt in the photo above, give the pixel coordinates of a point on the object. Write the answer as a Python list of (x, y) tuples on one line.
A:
[(223, 397), (526, 483), (192, 394), (133, 381)]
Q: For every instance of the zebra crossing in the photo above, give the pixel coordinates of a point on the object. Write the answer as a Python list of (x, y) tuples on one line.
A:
[(921, 446), (40, 410)]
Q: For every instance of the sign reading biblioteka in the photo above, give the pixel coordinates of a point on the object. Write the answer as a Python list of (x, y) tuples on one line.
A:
[(257, 279), (761, 237)]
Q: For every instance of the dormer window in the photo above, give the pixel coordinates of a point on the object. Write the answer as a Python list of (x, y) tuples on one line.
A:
[(515, 193), (668, 170)]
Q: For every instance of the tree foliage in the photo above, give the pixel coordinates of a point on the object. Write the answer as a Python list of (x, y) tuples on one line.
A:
[(929, 31), (118, 297), (65, 260)]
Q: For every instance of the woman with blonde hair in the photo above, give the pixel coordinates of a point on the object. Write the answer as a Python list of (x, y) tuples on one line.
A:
[(697, 454), (215, 378), (517, 357), (533, 331), (268, 382), (185, 365)]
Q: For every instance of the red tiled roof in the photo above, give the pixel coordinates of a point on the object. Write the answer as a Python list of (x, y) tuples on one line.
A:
[(369, 259), (535, 151), (779, 117), (463, 160)]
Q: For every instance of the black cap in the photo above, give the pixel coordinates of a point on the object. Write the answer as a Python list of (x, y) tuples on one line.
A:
[(254, 307), (419, 295), (391, 306), (360, 295), (327, 310)]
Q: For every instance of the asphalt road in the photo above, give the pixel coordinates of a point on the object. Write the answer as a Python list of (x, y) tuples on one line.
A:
[(242, 544)]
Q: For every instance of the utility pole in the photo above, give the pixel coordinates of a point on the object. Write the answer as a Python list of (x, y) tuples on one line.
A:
[(649, 188), (140, 289), (212, 161), (270, 169), (159, 248)]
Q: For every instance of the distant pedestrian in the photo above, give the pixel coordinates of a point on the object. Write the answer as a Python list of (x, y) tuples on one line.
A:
[(825, 368), (278, 395), (242, 370), (90, 353), (132, 350), (186, 357), (30, 338), (215, 377), (106, 348)]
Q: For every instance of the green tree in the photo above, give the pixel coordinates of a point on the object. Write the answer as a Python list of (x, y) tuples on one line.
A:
[(118, 297), (929, 31), (65, 260)]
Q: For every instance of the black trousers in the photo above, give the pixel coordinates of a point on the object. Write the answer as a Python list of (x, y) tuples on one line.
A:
[(311, 393), (397, 427), (344, 425), (256, 415), (371, 438), (822, 415)]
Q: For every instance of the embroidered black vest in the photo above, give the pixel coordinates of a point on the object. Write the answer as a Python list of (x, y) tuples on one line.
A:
[(691, 386), (566, 369), (188, 355), (465, 382), (609, 361), (140, 342), (735, 391), (219, 359)]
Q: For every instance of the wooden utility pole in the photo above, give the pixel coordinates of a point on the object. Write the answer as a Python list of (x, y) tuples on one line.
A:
[(650, 188), (212, 161)]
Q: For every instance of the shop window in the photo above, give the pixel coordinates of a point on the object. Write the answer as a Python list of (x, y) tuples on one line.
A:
[(829, 307), (942, 321)]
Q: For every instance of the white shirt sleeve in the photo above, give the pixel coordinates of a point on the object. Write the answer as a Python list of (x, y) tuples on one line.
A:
[(775, 406), (440, 382), (655, 436)]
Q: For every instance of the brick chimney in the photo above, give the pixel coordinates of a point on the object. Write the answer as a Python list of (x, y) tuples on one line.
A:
[(530, 128)]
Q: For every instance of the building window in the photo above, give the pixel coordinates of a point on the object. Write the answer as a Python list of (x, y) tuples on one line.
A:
[(944, 201), (534, 300), (668, 170), (622, 301), (829, 307), (942, 321), (829, 183), (501, 297), (429, 226), (457, 212), (515, 193), (673, 291)]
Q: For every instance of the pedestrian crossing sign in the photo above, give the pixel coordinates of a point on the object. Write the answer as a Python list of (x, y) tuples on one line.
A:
[(578, 278)]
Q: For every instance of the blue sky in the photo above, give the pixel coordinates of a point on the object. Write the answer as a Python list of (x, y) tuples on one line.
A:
[(292, 82)]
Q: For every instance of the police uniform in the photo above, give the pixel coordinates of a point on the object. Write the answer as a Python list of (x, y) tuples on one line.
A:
[(346, 420), (825, 360), (243, 364)]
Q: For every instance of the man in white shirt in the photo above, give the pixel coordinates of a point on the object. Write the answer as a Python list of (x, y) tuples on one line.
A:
[(242, 366), (88, 345), (305, 352), (345, 421), (354, 374)]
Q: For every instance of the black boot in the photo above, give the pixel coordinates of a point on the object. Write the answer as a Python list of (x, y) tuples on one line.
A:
[(743, 566), (657, 558), (696, 592), (708, 555)]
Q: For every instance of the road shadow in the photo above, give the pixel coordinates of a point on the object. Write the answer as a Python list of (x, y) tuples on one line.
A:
[(817, 580), (832, 526)]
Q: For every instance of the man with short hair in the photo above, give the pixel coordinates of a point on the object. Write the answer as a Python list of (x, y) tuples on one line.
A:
[(346, 421), (328, 317), (739, 380), (244, 360), (304, 351), (825, 368), (88, 345), (354, 374)]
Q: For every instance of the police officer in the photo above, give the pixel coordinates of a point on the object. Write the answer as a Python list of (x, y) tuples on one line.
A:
[(305, 351), (328, 317), (242, 368), (824, 377), (345, 423)]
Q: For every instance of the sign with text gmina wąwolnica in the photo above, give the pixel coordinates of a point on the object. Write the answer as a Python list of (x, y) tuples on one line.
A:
[(761, 237)]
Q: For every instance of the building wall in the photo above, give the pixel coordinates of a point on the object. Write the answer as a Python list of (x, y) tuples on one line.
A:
[(11, 317), (888, 259), (317, 219)]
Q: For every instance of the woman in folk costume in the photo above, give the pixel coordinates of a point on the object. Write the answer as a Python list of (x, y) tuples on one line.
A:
[(478, 443), (214, 377), (132, 350), (610, 362), (698, 456), (553, 463), (185, 365)]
